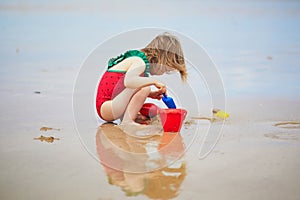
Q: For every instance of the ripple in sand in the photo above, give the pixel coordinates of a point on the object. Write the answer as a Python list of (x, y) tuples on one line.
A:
[(282, 136), (44, 128), (290, 124), (46, 139)]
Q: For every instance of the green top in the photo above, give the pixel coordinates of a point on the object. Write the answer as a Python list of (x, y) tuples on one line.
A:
[(127, 54)]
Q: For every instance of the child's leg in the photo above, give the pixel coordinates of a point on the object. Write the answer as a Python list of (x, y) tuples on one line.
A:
[(128, 124), (114, 109), (135, 105)]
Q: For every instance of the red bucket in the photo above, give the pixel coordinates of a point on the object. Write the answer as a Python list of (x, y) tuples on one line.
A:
[(149, 110), (171, 119)]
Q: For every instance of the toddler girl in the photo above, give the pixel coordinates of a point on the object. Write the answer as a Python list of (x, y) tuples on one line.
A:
[(125, 85)]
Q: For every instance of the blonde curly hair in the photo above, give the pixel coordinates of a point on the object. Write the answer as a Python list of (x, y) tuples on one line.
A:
[(165, 49)]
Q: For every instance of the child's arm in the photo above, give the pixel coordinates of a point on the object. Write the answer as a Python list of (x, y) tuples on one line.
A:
[(134, 80)]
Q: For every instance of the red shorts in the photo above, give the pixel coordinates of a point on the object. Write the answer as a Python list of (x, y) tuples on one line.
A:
[(111, 84)]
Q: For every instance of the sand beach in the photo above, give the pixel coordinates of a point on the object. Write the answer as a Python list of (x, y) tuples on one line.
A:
[(255, 46)]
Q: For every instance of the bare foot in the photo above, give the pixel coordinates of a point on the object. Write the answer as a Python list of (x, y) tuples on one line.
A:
[(138, 130), (141, 119)]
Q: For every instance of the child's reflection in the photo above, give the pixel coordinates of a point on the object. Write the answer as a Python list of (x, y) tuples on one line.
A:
[(142, 166)]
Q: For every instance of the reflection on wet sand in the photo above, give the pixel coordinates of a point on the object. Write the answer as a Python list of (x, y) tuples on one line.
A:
[(153, 167)]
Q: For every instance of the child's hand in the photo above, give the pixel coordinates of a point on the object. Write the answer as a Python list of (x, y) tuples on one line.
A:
[(156, 95), (159, 93), (161, 87)]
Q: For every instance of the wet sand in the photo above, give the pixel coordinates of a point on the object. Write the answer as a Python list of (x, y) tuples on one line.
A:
[(253, 159)]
